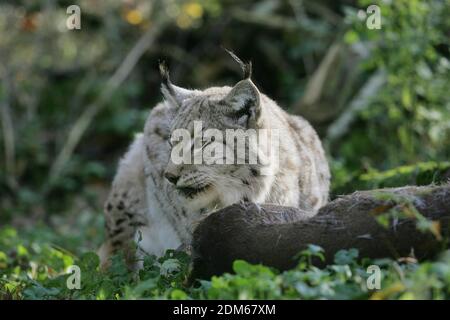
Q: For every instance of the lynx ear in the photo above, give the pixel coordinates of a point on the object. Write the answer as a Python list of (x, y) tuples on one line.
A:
[(174, 94), (244, 102)]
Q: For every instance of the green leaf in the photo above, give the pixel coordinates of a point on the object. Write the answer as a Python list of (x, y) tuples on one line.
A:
[(89, 261), (170, 266), (343, 257), (178, 294)]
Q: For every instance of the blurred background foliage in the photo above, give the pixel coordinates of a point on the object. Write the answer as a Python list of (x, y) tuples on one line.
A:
[(71, 100)]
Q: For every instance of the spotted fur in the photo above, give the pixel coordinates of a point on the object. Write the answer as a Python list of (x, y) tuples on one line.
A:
[(165, 212)]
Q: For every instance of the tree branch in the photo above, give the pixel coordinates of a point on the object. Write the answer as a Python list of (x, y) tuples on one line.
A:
[(273, 235), (119, 76), (8, 132)]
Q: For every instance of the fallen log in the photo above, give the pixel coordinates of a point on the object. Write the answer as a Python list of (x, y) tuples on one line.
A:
[(273, 235)]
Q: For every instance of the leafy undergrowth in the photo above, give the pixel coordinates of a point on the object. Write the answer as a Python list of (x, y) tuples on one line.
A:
[(33, 269), (35, 264)]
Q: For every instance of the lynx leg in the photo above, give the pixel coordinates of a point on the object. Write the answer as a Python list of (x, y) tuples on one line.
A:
[(125, 208)]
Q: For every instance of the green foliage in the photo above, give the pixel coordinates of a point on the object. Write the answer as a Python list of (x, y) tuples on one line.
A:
[(38, 270), (408, 120)]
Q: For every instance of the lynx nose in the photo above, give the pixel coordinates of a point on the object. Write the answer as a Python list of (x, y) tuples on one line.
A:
[(173, 178)]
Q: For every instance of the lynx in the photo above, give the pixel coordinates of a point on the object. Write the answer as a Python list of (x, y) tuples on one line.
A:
[(157, 203)]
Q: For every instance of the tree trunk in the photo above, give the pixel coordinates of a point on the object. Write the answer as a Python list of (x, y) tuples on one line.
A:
[(273, 235)]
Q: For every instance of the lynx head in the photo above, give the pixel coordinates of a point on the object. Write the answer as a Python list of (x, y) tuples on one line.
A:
[(213, 133)]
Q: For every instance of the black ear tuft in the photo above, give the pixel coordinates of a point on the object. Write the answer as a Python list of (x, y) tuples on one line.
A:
[(166, 85), (246, 67), (171, 92), (163, 70)]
